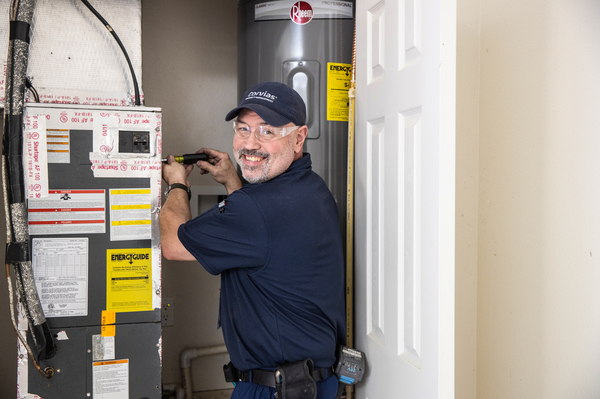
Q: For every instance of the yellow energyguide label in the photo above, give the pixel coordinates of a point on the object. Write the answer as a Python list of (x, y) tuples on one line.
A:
[(338, 84), (129, 279)]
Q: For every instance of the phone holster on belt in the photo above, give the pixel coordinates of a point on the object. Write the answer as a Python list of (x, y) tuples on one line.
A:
[(295, 380)]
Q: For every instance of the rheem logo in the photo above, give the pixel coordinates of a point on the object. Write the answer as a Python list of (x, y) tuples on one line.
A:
[(301, 13)]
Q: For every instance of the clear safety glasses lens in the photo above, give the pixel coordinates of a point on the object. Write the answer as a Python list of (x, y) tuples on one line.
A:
[(263, 133)]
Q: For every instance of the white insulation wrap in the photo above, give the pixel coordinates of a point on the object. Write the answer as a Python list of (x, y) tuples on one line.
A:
[(73, 58)]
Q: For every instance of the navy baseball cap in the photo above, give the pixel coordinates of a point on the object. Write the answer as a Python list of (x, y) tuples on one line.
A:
[(276, 103)]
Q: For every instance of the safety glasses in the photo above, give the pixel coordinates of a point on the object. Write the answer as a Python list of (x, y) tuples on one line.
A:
[(263, 133)]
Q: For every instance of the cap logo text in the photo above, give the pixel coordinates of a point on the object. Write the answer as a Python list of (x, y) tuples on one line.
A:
[(261, 95)]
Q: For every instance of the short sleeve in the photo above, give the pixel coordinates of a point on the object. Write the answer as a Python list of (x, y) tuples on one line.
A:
[(230, 235)]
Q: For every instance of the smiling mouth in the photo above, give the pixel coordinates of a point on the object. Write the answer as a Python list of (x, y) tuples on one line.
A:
[(253, 158)]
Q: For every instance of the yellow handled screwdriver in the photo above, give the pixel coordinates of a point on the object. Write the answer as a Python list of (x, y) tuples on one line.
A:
[(188, 159)]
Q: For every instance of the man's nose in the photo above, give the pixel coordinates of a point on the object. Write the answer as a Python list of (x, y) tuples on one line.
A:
[(251, 142)]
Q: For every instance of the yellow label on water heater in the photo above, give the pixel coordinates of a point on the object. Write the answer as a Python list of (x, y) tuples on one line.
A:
[(338, 84)]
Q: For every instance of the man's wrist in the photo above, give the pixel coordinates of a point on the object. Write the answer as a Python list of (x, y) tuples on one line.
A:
[(179, 186)]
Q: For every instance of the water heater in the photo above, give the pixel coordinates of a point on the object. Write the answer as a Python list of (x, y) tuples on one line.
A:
[(308, 46)]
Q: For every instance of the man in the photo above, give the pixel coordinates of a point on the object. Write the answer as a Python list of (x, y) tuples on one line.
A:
[(275, 241)]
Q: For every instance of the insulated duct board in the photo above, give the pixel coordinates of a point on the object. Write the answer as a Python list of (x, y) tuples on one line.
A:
[(73, 58)]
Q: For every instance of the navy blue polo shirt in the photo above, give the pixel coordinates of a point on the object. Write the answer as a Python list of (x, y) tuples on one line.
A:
[(278, 249)]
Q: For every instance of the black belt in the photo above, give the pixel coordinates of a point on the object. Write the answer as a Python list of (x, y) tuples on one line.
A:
[(266, 377)]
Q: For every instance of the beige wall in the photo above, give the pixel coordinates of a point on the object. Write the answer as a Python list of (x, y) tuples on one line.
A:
[(539, 200), (467, 177), (189, 52)]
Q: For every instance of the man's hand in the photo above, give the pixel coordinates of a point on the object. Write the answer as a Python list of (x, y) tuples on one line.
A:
[(173, 172), (220, 166)]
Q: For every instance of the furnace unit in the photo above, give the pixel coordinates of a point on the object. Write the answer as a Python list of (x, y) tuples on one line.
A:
[(93, 177)]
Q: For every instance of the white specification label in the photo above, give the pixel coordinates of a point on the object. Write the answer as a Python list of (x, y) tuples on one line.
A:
[(103, 348), (60, 269), (68, 212), (111, 379), (35, 160), (58, 144), (130, 214)]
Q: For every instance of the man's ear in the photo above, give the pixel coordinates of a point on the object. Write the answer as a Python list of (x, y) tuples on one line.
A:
[(301, 134)]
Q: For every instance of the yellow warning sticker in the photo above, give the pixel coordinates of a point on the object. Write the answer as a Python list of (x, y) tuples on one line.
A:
[(108, 331), (109, 317), (338, 84), (129, 279), (130, 214)]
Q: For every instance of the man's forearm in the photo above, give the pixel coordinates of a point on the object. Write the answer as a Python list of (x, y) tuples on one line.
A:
[(174, 212)]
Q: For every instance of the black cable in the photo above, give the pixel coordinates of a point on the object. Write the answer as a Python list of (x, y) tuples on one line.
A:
[(14, 5), (112, 32), (14, 187), (32, 89)]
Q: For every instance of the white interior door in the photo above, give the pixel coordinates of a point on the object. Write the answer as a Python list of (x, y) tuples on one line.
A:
[(404, 187)]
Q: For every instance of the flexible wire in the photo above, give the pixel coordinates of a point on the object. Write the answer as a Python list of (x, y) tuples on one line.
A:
[(114, 34), (14, 325), (32, 89), (8, 279), (8, 97), (14, 5), (22, 12), (7, 214)]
